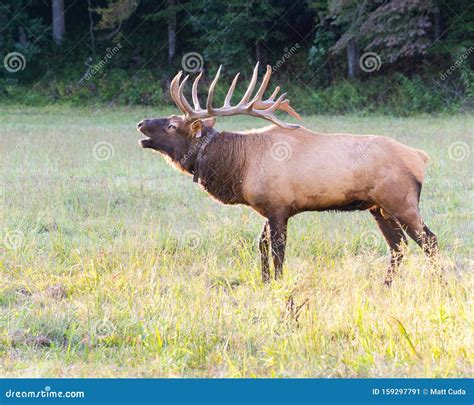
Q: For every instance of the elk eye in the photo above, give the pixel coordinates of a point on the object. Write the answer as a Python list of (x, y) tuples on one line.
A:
[(171, 127)]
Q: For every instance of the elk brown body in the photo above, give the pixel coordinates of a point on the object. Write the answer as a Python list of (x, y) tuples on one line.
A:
[(283, 169)]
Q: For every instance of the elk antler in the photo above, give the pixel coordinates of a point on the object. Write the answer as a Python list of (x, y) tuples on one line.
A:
[(255, 106)]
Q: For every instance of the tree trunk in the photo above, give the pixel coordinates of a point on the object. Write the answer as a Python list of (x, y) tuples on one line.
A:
[(260, 53), (437, 23), (352, 59), (22, 37), (59, 25), (171, 31), (91, 27)]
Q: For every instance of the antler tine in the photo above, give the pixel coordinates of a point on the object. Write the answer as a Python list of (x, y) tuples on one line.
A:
[(268, 113), (174, 91), (197, 106), (275, 105), (263, 86), (189, 110), (275, 92), (280, 123), (249, 90), (231, 91), (211, 90), (256, 107)]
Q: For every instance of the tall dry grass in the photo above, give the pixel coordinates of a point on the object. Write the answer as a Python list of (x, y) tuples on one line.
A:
[(114, 264)]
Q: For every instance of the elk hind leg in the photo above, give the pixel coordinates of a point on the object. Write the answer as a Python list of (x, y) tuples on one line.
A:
[(278, 225), (395, 238), (418, 231), (411, 221), (263, 245)]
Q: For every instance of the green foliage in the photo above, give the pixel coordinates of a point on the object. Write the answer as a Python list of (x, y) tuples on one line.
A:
[(400, 96), (142, 88), (414, 53), (415, 95), (459, 23), (462, 57), (323, 41), (228, 30), (20, 33)]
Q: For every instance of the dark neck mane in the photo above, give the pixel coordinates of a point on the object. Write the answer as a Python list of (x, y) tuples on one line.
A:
[(222, 167), (223, 162), (185, 161)]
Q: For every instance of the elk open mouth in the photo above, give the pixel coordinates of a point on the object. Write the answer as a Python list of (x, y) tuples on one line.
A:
[(146, 142)]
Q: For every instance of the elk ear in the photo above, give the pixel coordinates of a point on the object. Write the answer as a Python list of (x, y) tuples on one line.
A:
[(209, 122), (196, 128)]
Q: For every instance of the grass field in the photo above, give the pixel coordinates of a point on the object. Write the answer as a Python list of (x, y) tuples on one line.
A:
[(114, 264)]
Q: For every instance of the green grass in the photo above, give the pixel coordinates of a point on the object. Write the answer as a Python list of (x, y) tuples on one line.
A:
[(124, 267)]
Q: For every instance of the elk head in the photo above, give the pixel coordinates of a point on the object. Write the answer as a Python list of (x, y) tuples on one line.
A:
[(174, 135)]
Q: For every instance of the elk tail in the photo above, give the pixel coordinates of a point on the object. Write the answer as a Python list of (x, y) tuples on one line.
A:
[(423, 155)]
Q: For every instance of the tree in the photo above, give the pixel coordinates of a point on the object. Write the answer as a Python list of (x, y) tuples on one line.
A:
[(58, 23), (394, 29), (172, 36), (115, 14), (14, 37), (237, 32), (399, 28), (349, 16)]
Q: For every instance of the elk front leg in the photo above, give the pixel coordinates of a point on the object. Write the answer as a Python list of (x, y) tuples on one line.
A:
[(277, 227), (263, 246)]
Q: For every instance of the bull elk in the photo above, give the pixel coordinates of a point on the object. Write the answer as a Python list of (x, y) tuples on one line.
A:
[(284, 169)]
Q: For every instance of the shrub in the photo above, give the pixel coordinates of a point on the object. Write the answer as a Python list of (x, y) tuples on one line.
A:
[(396, 94)]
